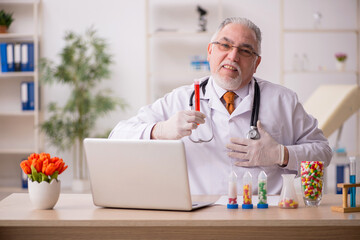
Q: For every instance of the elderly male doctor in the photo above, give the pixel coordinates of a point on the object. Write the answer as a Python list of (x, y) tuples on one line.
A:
[(288, 135)]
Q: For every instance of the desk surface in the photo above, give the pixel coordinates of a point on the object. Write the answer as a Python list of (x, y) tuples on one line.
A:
[(78, 210)]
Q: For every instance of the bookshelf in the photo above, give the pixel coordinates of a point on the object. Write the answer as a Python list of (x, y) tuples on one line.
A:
[(19, 132)]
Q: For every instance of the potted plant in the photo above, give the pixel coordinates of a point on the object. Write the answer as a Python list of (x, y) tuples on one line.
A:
[(43, 183), (5, 21), (84, 63), (340, 61)]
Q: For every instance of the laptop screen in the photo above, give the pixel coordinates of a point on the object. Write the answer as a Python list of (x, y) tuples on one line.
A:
[(147, 174)]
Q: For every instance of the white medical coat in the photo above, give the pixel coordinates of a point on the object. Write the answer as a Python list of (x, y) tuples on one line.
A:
[(281, 115)]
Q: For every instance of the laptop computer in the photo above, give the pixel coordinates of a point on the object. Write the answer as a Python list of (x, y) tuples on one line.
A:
[(142, 174)]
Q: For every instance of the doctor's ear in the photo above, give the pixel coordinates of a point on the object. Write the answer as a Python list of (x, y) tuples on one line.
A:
[(209, 50), (258, 60)]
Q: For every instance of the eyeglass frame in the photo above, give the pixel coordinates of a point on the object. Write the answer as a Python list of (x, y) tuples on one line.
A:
[(252, 52)]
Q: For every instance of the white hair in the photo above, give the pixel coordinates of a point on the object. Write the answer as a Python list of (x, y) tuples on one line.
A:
[(243, 21)]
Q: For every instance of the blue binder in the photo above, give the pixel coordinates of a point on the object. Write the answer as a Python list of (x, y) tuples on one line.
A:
[(31, 95), (31, 57), (3, 50), (17, 57), (7, 57), (24, 96), (24, 179), (10, 57), (27, 96), (24, 57)]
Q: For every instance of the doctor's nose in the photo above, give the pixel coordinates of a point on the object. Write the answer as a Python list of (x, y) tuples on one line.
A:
[(233, 55)]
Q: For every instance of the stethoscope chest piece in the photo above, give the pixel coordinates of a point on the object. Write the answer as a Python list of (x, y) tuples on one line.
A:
[(253, 133)]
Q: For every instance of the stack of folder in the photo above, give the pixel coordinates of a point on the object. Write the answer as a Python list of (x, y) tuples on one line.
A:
[(27, 96), (17, 57)]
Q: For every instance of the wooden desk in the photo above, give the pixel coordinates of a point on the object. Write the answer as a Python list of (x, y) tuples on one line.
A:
[(75, 217)]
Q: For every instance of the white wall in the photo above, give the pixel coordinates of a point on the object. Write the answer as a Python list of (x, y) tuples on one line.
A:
[(122, 23)]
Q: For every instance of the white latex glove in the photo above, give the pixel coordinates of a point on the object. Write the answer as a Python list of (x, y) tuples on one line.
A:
[(178, 126), (261, 152)]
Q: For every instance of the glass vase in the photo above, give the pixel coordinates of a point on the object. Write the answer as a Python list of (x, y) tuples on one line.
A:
[(312, 173)]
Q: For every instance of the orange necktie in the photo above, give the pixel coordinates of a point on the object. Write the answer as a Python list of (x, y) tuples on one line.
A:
[(229, 99)]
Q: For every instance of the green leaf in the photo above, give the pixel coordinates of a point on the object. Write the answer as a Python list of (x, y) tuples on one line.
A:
[(44, 177), (35, 175), (54, 175), (30, 177), (6, 18)]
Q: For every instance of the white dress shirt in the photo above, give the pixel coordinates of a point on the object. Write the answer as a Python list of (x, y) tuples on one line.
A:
[(281, 115)]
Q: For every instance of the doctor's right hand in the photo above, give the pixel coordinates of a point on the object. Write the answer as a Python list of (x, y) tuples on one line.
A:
[(178, 126)]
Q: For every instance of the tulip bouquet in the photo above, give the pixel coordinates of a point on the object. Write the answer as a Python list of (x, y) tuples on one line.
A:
[(41, 167)]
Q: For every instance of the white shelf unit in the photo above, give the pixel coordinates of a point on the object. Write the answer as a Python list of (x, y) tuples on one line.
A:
[(324, 38), (172, 38), (19, 129), (344, 22), (319, 40)]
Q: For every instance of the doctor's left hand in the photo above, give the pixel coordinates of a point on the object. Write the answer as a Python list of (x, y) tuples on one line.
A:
[(261, 152)]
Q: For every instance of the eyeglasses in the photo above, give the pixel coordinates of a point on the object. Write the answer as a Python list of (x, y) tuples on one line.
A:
[(245, 52)]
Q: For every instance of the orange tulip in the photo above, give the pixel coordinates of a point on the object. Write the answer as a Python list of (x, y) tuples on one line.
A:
[(63, 168), (37, 164), (50, 169), (44, 165), (33, 157), (60, 166), (26, 166), (44, 156), (54, 159)]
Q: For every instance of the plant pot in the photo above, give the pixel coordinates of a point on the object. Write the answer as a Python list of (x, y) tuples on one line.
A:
[(3, 29), (44, 195), (340, 66)]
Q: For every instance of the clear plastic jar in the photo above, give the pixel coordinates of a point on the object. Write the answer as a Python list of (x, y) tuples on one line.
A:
[(288, 198), (247, 191), (232, 193), (262, 190)]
